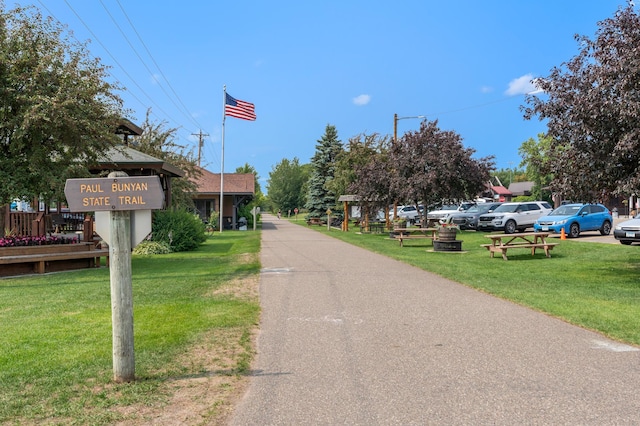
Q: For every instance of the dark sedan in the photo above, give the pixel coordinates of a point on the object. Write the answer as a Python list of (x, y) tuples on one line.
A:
[(469, 218)]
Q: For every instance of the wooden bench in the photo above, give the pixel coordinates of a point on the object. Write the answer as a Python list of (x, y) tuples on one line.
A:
[(21, 261), (501, 243), (372, 228), (547, 247), (402, 237), (412, 234), (316, 221)]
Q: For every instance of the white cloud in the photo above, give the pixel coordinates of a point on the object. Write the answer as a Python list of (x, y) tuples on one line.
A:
[(486, 89), (522, 86), (362, 99)]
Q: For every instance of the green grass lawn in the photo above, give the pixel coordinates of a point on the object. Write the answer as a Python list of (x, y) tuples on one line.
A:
[(56, 362), (593, 285), (56, 357)]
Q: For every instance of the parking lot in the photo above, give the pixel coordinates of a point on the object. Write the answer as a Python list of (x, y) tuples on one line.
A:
[(595, 236)]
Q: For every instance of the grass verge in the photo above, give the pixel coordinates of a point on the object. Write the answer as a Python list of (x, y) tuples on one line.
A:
[(194, 318), (592, 285)]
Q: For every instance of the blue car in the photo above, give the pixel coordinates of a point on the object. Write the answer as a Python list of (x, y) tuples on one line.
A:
[(576, 218)]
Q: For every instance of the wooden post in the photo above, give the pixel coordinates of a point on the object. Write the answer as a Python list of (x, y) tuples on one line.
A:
[(345, 222), (121, 293)]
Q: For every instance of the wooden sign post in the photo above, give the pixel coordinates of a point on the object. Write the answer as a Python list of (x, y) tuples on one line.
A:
[(118, 194), (124, 366)]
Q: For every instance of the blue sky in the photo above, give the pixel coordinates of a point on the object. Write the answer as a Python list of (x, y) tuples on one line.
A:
[(351, 64)]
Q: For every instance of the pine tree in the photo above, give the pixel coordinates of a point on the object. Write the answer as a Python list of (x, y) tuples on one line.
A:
[(323, 163)]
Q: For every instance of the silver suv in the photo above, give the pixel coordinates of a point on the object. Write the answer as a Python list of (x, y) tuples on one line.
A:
[(512, 217)]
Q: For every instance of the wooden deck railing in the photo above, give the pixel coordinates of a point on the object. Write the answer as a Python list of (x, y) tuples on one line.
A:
[(41, 224)]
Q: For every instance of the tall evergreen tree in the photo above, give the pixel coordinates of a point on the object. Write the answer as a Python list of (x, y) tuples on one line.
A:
[(323, 164)]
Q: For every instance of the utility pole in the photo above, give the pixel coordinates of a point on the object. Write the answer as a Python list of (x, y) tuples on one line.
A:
[(510, 172), (200, 136)]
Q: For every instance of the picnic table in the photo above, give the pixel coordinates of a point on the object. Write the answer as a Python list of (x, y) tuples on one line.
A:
[(402, 234), (372, 227), (500, 243)]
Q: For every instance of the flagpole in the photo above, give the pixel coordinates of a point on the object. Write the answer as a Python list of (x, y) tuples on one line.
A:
[(224, 101)]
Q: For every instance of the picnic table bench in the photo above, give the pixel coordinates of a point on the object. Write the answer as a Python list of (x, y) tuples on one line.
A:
[(401, 234), (316, 221), (501, 243), (372, 227)]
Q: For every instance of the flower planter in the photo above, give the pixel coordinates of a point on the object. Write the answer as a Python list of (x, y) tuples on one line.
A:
[(447, 234), (446, 240), (48, 258)]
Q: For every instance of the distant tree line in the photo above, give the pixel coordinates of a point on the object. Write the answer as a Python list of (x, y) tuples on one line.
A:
[(429, 165)]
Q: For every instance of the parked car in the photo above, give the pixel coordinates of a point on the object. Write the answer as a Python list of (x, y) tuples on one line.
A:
[(442, 213), (628, 232), (469, 219), (512, 217), (406, 212), (576, 218)]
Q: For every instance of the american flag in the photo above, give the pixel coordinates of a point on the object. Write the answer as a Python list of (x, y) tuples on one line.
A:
[(239, 109)]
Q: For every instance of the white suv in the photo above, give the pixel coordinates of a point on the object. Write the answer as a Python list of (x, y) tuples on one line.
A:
[(406, 212), (443, 213), (512, 217)]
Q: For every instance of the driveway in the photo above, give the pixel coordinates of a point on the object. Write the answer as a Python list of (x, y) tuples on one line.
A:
[(594, 236), (352, 337)]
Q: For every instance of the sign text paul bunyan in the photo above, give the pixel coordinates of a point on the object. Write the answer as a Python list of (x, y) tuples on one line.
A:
[(123, 193)]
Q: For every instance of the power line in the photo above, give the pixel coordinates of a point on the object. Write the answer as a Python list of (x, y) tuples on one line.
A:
[(112, 57), (179, 128), (155, 63), (472, 107), (181, 108)]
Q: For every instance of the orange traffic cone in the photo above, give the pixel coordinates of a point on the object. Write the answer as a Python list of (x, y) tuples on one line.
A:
[(563, 236)]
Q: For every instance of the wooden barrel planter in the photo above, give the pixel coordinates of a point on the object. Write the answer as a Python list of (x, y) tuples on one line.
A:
[(447, 234), (446, 240), (49, 258)]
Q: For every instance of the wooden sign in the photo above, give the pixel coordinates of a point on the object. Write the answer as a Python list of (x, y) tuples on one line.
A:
[(113, 194)]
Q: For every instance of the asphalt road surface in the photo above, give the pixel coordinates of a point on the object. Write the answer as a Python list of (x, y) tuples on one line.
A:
[(350, 337)]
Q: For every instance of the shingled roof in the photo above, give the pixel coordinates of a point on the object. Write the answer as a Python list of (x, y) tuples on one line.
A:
[(234, 183), (127, 158)]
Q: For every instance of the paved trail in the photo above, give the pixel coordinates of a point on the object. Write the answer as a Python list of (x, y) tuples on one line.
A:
[(351, 337)]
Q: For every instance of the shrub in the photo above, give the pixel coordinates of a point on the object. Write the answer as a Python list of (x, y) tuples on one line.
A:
[(245, 211), (152, 247), (180, 230)]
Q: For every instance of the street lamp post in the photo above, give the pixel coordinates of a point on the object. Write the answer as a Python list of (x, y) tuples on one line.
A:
[(395, 140), (395, 124)]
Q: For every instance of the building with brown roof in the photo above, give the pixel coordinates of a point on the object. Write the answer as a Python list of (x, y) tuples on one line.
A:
[(239, 189)]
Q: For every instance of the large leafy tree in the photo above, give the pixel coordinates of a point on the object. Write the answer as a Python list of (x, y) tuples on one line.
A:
[(367, 162), (247, 168), (320, 198), (592, 104), (258, 198), (160, 142), (536, 156), (286, 187), (431, 165), (58, 112)]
